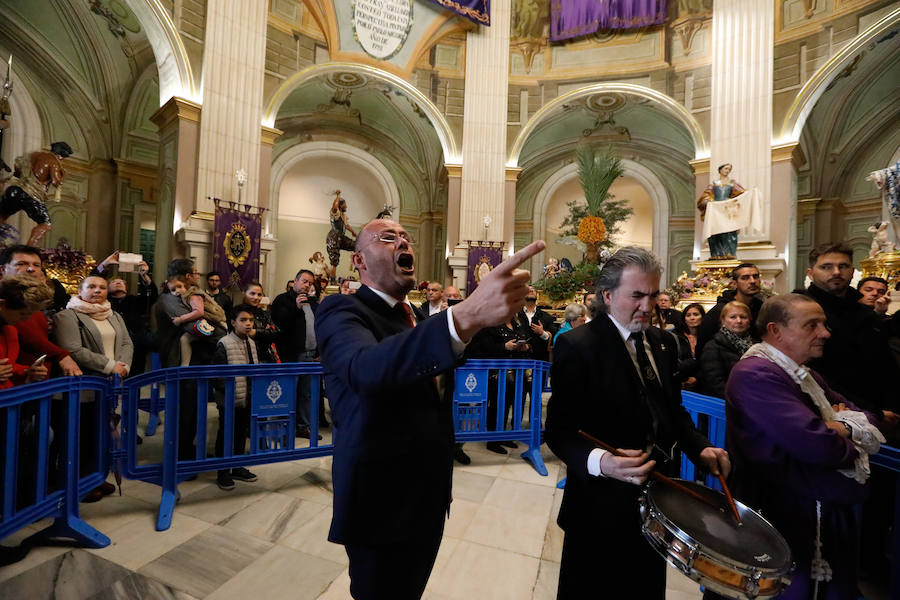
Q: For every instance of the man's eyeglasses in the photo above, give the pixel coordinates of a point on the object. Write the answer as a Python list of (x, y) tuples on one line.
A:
[(390, 237)]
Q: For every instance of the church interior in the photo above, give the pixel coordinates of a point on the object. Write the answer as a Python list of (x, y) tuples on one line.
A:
[(467, 134)]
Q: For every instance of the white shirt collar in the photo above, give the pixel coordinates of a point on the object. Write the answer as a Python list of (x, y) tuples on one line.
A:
[(799, 370), (392, 302), (623, 331)]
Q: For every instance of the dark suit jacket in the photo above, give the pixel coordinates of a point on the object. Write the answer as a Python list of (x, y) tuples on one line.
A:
[(540, 349), (291, 321), (386, 410), (595, 388)]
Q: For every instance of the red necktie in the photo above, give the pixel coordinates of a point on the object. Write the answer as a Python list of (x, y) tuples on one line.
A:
[(408, 313)]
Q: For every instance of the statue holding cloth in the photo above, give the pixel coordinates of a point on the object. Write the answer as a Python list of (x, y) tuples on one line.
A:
[(725, 207)]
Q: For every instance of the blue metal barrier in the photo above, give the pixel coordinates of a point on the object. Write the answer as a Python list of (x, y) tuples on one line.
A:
[(271, 432), (714, 429), (471, 396), (154, 403), (33, 408)]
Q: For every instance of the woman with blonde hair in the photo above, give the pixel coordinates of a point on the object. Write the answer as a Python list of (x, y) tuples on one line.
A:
[(723, 351)]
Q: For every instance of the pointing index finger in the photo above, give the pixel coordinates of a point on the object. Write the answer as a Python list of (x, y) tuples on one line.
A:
[(511, 263)]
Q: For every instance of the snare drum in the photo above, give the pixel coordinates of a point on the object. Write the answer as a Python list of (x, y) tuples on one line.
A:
[(746, 562)]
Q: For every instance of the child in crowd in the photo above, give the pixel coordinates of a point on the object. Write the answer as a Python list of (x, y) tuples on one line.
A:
[(206, 317), (236, 348)]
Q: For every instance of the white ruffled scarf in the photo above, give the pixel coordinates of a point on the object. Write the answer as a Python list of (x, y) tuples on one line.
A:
[(864, 435), (98, 312)]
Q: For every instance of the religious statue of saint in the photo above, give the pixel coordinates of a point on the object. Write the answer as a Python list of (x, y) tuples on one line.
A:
[(721, 245), (337, 239), (28, 188)]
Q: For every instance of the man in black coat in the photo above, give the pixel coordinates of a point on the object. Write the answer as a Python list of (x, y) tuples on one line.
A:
[(615, 379), (857, 360), (135, 311), (539, 327), (391, 427), (747, 290), (294, 314)]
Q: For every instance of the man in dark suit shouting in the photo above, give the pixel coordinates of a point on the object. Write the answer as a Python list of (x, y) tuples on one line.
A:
[(392, 431), (615, 379)]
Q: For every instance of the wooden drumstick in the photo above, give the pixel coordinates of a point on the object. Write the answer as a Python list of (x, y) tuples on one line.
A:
[(731, 503), (653, 474)]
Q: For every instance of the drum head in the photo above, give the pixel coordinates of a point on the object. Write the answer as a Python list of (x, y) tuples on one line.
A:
[(755, 543)]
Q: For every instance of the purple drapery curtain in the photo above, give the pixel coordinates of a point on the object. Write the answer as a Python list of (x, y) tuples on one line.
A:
[(236, 243), (572, 18), (478, 11), (489, 253)]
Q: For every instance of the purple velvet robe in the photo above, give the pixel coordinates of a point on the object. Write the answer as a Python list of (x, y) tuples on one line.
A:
[(784, 459)]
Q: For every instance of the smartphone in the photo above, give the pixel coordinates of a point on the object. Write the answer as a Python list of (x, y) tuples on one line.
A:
[(39, 361), (355, 285), (453, 301)]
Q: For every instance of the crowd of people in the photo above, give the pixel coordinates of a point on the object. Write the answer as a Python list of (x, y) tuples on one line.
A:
[(806, 378)]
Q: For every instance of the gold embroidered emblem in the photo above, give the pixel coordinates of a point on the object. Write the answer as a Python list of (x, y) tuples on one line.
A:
[(237, 245)]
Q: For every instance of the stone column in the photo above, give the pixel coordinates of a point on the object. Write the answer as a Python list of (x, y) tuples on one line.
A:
[(233, 68), (785, 161), (741, 102), (701, 180), (268, 242), (178, 121), (483, 185)]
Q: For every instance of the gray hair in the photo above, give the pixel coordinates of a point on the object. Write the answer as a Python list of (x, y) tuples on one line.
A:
[(611, 274), (778, 309), (574, 312)]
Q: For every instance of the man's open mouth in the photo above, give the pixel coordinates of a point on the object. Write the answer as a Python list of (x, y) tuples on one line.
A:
[(405, 261)]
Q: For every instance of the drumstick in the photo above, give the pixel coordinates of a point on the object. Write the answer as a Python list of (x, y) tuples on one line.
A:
[(730, 499), (657, 476)]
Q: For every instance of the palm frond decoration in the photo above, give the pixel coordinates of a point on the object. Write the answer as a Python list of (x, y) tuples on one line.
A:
[(597, 172)]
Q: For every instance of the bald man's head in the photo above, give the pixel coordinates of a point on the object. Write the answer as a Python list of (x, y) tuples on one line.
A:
[(385, 258)]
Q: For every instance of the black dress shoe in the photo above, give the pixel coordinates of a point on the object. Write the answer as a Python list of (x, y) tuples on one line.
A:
[(509, 444), (106, 488), (303, 432), (461, 457), (496, 447)]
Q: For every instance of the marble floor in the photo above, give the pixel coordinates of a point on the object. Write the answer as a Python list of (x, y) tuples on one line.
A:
[(268, 539)]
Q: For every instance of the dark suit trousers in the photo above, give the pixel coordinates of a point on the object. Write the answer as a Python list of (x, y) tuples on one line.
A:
[(397, 571), (615, 566)]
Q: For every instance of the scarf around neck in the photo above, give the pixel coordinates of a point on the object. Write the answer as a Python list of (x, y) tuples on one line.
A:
[(864, 435), (98, 312), (741, 343)]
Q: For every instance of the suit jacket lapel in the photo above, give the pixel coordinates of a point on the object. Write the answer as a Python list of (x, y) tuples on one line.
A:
[(659, 350), (609, 342), (376, 303)]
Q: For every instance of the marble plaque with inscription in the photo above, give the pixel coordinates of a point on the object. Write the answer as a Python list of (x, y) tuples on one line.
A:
[(381, 26)]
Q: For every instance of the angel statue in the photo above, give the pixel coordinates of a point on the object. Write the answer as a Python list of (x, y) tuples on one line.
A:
[(337, 240), (28, 188)]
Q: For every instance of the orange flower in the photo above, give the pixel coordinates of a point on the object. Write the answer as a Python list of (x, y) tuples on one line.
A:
[(592, 230)]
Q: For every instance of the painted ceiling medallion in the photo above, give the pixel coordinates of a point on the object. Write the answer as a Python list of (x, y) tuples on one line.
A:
[(346, 80), (382, 26), (606, 103)]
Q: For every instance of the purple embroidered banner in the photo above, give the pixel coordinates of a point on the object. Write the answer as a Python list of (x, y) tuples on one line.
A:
[(236, 243), (572, 18), (483, 257), (474, 10)]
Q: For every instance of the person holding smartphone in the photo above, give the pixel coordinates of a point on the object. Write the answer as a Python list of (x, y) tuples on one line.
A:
[(509, 340), (20, 296)]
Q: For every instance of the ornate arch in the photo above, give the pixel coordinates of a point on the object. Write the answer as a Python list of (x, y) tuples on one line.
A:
[(290, 157), (176, 78), (809, 95), (666, 103), (648, 180), (437, 120)]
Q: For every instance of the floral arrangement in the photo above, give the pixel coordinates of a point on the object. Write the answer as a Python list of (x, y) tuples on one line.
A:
[(68, 265), (708, 284), (565, 284)]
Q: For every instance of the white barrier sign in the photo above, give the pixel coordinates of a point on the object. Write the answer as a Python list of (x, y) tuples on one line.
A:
[(381, 26)]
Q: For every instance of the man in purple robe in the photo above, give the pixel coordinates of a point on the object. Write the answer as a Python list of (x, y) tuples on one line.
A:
[(800, 450)]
